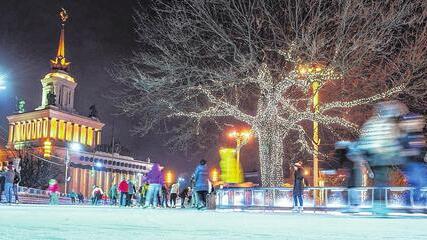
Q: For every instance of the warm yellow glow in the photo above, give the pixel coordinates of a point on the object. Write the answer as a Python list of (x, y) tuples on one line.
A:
[(98, 137), (69, 131), (89, 136), (214, 175), (10, 136), (231, 170), (28, 131), (169, 177), (83, 135), (17, 132), (61, 130), (53, 128), (60, 75), (76, 133), (33, 130), (23, 131), (47, 148), (39, 128), (45, 128), (316, 140)]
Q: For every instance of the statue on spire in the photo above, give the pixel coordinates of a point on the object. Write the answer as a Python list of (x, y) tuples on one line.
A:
[(60, 63)]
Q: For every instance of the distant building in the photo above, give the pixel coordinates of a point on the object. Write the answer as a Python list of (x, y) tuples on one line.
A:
[(55, 124)]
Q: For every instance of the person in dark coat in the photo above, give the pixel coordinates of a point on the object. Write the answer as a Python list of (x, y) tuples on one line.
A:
[(298, 189), (201, 186), (16, 181), (183, 195), (2, 182)]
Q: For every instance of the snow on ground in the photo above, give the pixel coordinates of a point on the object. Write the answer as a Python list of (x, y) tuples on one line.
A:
[(86, 222)]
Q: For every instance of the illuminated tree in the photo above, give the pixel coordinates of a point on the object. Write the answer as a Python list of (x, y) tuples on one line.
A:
[(200, 63)]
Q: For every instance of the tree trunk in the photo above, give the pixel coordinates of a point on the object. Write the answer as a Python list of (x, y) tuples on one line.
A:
[(270, 141)]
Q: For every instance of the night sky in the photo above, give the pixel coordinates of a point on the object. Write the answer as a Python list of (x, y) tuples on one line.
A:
[(98, 33)]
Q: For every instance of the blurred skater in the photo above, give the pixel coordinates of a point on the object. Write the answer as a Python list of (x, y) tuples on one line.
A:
[(380, 142)]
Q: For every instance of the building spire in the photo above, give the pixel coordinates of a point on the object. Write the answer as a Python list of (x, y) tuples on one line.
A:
[(60, 63)]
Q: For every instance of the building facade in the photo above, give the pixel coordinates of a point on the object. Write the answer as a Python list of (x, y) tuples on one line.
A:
[(55, 125)]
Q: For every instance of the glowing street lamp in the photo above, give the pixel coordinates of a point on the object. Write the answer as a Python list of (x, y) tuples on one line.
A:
[(242, 138), (169, 177), (303, 71)]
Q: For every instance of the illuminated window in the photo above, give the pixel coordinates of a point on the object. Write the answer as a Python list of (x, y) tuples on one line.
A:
[(83, 135), (53, 128), (76, 132), (89, 136), (61, 130), (69, 133)]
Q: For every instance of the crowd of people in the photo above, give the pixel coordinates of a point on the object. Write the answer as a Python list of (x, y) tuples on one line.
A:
[(153, 193)]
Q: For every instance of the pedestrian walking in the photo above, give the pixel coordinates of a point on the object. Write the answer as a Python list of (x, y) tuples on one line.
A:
[(201, 186)]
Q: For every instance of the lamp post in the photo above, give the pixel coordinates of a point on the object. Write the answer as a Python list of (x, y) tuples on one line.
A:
[(242, 138), (74, 147), (304, 70)]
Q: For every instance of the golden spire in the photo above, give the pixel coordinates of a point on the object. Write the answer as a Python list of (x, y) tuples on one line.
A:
[(60, 63)]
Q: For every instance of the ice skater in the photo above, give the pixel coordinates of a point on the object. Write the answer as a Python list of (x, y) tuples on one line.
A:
[(298, 189)]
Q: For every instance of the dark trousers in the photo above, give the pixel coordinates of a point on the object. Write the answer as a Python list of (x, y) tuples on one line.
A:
[(202, 197), (129, 199), (123, 198), (298, 198), (173, 199)]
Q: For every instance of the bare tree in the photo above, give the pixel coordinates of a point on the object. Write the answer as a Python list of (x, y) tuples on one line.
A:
[(202, 63)]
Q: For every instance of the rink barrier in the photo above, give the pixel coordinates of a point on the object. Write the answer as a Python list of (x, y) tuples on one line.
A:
[(35, 196), (318, 198)]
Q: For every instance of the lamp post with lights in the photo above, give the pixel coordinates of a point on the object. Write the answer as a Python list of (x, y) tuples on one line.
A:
[(242, 138), (303, 71)]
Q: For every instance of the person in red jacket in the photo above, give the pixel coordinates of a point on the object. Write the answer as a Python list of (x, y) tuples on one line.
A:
[(123, 189)]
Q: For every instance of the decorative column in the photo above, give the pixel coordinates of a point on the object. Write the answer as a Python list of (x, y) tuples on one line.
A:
[(11, 134)]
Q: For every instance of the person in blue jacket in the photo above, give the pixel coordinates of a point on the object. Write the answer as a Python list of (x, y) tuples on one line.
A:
[(201, 186)]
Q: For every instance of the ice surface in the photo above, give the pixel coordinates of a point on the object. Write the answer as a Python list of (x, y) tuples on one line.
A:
[(86, 222)]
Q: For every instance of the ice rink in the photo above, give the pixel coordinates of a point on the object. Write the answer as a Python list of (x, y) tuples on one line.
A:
[(85, 222)]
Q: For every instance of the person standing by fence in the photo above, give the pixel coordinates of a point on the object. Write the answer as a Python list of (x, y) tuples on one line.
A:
[(9, 177), (298, 189), (123, 188)]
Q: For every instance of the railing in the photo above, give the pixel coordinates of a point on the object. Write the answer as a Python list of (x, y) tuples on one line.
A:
[(35, 196), (319, 198)]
